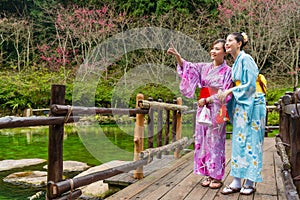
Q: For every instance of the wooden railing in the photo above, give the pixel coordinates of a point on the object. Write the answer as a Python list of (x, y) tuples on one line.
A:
[(57, 188), (288, 142)]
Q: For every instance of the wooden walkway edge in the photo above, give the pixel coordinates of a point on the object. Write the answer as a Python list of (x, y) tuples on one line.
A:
[(176, 181)]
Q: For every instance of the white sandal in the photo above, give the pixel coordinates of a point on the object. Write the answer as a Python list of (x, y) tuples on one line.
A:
[(229, 190), (247, 190)]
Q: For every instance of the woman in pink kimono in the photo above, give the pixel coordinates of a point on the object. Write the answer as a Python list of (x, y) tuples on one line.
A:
[(209, 154)]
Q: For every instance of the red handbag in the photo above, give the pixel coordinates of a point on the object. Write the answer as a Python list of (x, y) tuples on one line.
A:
[(222, 115)]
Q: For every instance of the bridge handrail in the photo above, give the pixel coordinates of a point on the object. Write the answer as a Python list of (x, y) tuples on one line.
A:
[(64, 109), (61, 114), (62, 187), (144, 104), (289, 135), (17, 122)]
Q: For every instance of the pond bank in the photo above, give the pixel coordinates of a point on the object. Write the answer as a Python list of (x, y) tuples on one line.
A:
[(37, 180)]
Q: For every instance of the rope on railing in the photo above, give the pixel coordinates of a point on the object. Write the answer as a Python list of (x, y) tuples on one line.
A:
[(281, 151), (68, 113)]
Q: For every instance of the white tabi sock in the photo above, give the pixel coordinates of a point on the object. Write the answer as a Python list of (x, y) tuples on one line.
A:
[(236, 183), (249, 183), (248, 187)]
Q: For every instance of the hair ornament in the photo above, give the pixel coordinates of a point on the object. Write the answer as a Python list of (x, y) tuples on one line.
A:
[(245, 37)]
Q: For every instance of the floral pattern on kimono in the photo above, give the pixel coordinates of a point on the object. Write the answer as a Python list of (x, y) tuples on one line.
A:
[(248, 120), (209, 153)]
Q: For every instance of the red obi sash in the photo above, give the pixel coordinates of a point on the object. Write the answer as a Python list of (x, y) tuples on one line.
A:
[(207, 92), (222, 115)]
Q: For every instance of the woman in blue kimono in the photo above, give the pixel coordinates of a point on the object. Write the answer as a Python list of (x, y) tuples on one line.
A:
[(247, 112)]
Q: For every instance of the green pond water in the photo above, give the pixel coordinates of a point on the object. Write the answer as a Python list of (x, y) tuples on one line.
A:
[(93, 145)]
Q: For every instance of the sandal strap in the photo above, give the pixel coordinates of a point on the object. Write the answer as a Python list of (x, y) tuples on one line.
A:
[(231, 188), (249, 187)]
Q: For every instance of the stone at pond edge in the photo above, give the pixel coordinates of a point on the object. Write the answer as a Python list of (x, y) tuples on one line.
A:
[(29, 178), (72, 166), (39, 178), (12, 164)]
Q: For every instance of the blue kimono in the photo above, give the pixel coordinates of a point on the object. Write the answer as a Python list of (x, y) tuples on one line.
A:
[(247, 112)]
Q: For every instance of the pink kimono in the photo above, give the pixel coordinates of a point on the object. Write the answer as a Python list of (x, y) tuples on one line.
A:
[(209, 158)]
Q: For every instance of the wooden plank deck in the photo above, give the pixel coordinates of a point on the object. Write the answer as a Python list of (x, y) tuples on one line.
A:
[(176, 181)]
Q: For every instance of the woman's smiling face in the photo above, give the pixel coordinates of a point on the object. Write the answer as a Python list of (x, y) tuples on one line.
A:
[(217, 52), (232, 46)]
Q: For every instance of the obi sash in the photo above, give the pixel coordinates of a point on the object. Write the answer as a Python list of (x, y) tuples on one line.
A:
[(207, 92), (258, 86)]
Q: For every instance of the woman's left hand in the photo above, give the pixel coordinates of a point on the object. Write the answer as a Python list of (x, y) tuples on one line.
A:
[(201, 102), (222, 95)]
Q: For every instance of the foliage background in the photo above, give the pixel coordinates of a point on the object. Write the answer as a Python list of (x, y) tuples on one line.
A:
[(44, 42)]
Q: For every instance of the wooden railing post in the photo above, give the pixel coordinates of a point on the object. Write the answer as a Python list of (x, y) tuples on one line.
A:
[(174, 123), (295, 142), (55, 141), (266, 122), (139, 138), (178, 127), (289, 130), (159, 128), (150, 126), (295, 152), (167, 129), (285, 122)]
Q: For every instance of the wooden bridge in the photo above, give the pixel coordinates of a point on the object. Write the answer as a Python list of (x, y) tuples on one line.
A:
[(175, 180)]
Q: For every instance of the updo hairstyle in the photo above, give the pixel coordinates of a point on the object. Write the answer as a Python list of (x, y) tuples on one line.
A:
[(241, 37)]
